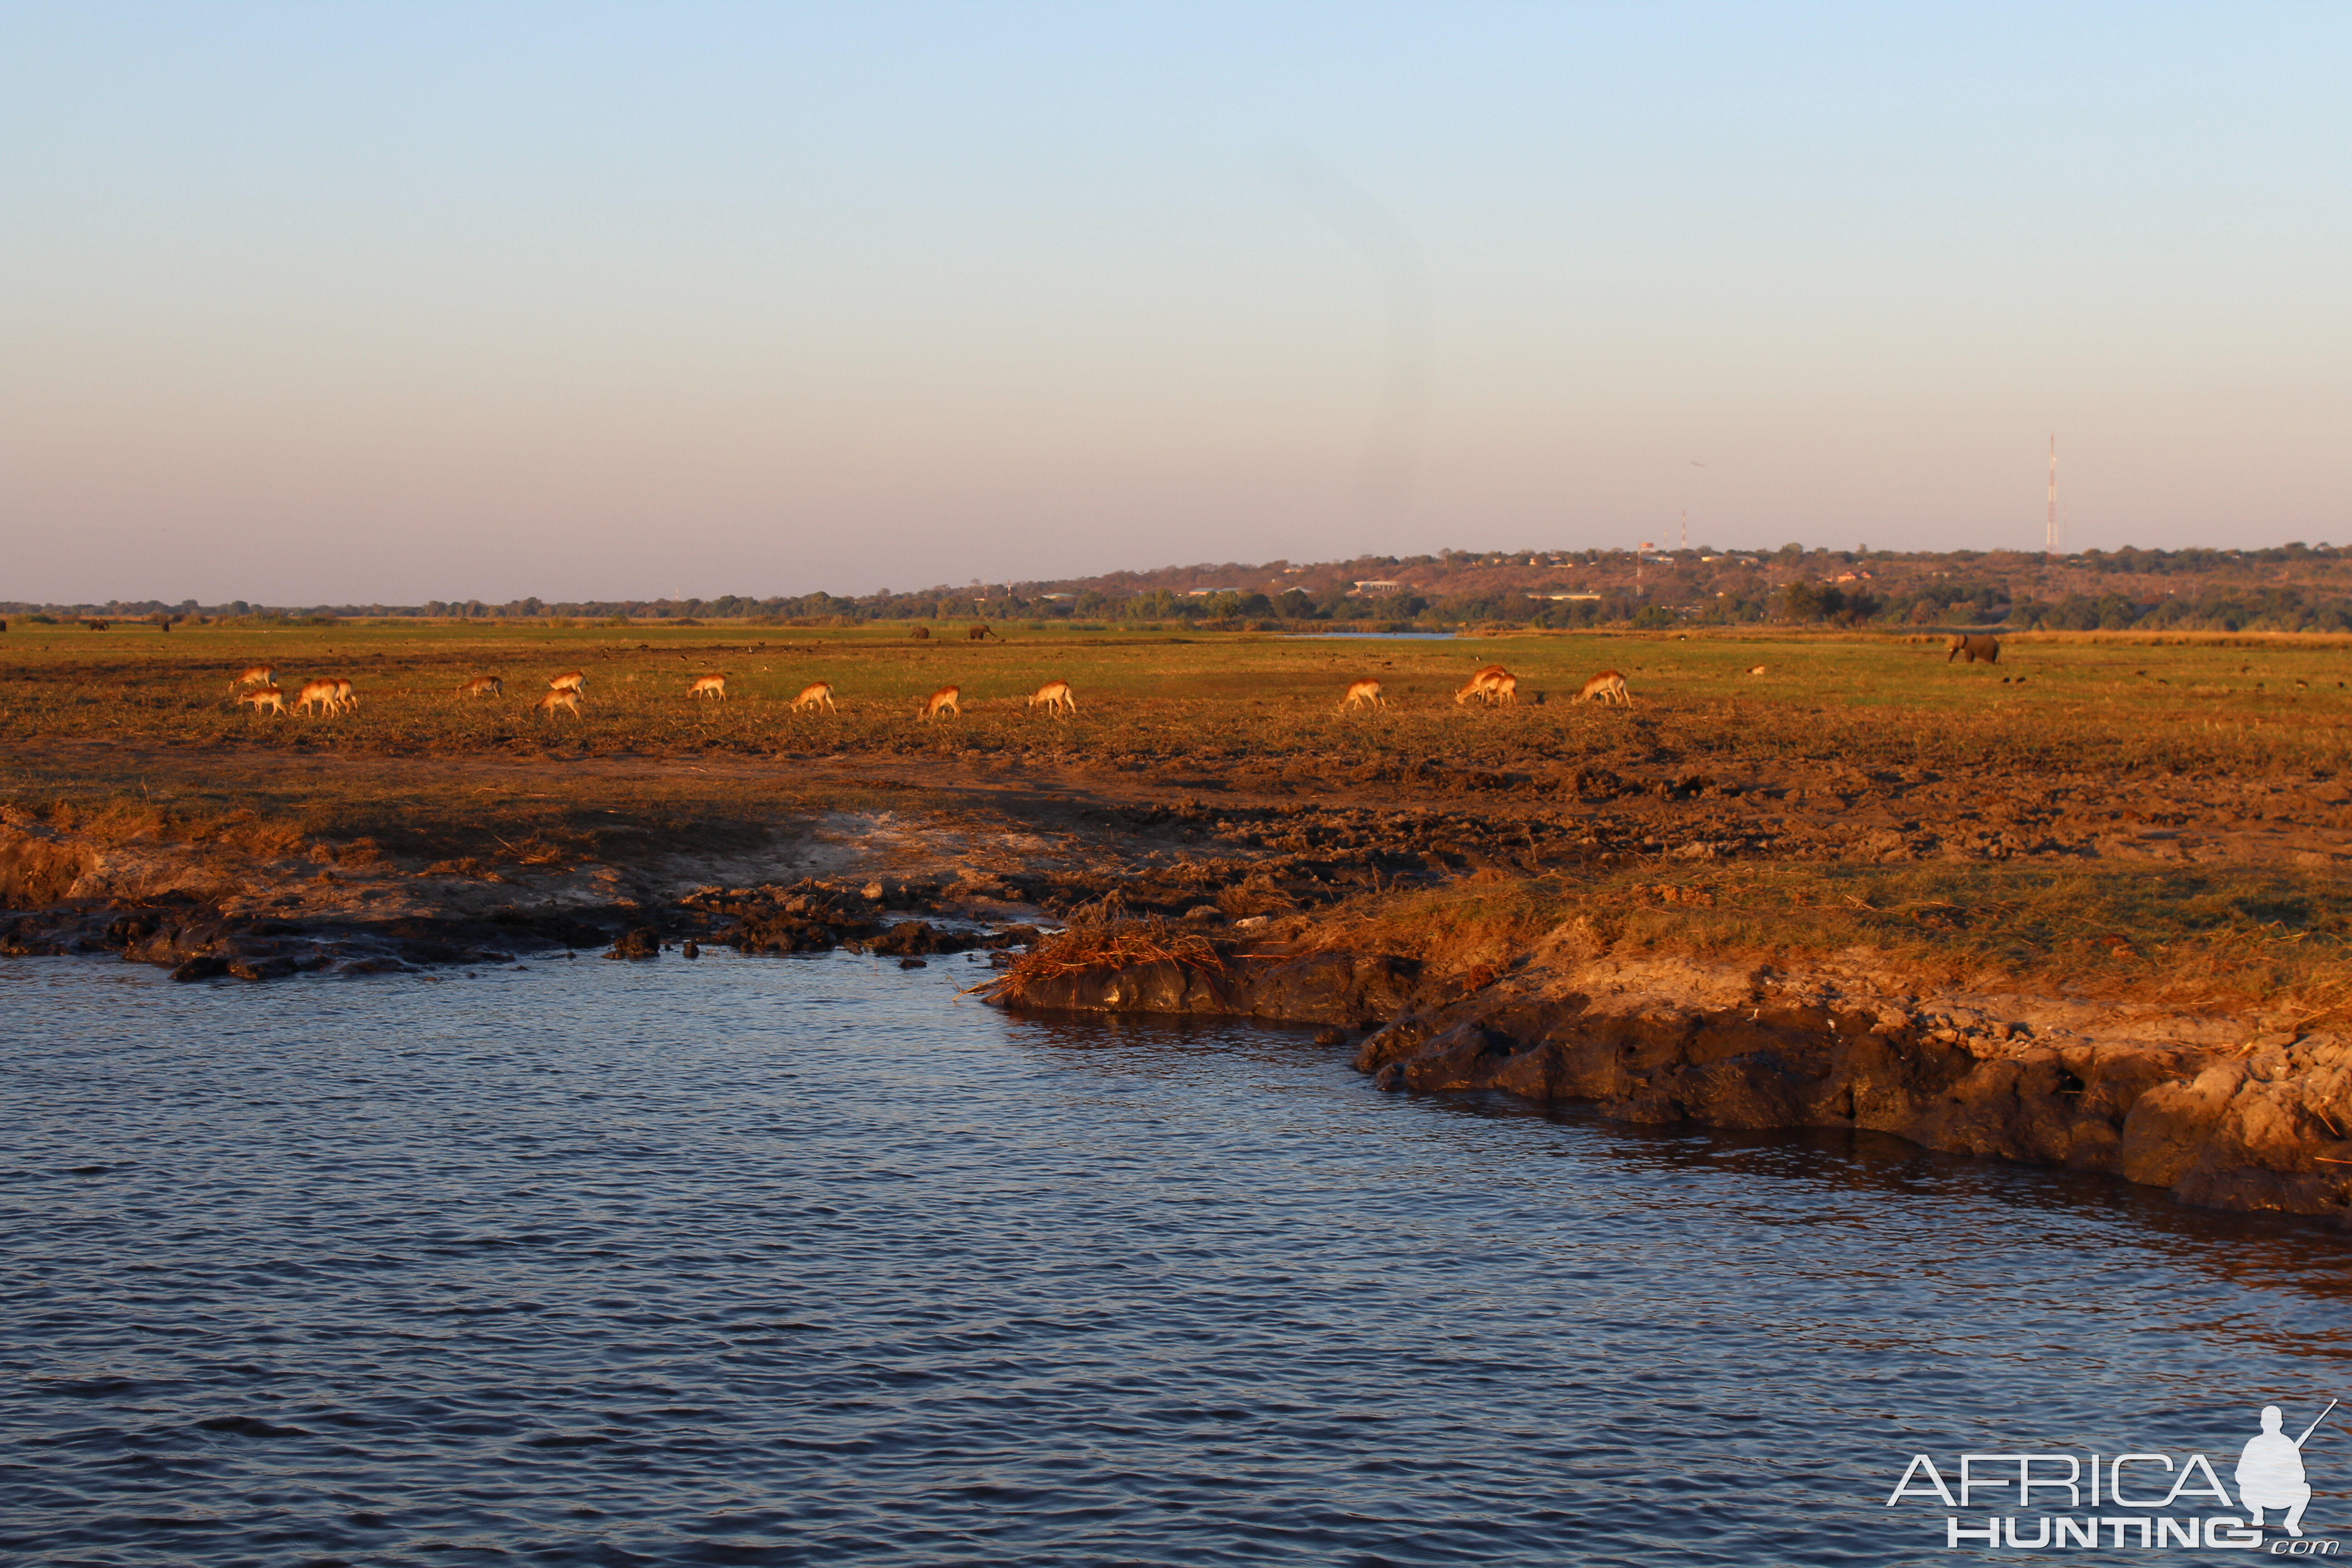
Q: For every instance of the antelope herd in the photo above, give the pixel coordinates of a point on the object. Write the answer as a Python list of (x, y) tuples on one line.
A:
[(1491, 685), (1497, 687), (330, 695)]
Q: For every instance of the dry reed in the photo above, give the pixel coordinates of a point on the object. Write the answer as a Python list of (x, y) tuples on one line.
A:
[(1095, 945)]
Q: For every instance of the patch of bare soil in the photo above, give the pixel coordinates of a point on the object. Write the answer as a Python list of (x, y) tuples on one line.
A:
[(624, 840), (1236, 886)]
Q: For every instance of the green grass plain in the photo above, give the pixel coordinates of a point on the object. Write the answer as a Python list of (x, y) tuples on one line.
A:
[(2051, 702), (131, 732)]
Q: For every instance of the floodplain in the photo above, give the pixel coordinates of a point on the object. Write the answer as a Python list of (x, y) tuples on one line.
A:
[(2159, 818)]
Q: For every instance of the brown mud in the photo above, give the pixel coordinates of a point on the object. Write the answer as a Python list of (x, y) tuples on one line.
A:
[(2190, 1103), (1265, 881)]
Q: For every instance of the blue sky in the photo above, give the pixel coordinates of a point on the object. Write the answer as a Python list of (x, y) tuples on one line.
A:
[(381, 303)]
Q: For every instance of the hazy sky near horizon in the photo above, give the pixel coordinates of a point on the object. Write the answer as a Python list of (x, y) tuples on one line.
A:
[(390, 302)]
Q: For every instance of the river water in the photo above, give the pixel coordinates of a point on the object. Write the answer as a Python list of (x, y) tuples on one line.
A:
[(814, 1261)]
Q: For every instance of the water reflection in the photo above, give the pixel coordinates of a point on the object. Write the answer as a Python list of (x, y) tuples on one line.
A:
[(2276, 1250), (814, 1261)]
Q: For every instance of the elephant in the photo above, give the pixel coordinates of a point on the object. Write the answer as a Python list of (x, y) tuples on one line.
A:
[(1980, 649)]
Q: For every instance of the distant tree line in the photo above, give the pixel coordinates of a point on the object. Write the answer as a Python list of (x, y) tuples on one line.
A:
[(2229, 609), (1704, 587)]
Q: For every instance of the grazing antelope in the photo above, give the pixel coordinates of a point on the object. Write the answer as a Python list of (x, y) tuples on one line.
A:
[(1755, 670), (1608, 687), (1367, 692), (1054, 696), (944, 700), (483, 686), (1481, 683), (572, 681), (322, 692), (269, 697), (567, 698), (709, 686), (1975, 648), (259, 675), (817, 696)]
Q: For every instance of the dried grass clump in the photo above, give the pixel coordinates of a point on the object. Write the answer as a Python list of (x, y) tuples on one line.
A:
[(1479, 922), (2268, 944), (124, 818), (1256, 894), (1098, 944)]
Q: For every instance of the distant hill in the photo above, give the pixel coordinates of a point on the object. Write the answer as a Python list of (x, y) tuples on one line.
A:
[(2292, 587)]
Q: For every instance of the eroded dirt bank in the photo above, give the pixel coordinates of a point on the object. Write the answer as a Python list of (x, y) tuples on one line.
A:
[(2193, 1104), (208, 910), (445, 861)]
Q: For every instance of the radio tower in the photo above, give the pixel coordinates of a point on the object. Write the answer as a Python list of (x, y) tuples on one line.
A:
[(2050, 525)]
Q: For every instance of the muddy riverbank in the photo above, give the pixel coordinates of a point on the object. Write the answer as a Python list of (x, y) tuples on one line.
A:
[(2155, 994), (2221, 1113)]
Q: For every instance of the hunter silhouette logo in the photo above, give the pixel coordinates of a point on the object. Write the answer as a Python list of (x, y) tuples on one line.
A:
[(2270, 1470), (2157, 1502)]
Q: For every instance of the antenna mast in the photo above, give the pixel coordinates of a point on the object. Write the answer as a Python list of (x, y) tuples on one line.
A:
[(2050, 525)]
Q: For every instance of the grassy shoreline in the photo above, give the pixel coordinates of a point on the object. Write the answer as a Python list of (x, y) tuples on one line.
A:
[(2161, 815)]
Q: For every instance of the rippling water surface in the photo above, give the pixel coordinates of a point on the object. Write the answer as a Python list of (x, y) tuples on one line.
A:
[(782, 1261)]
